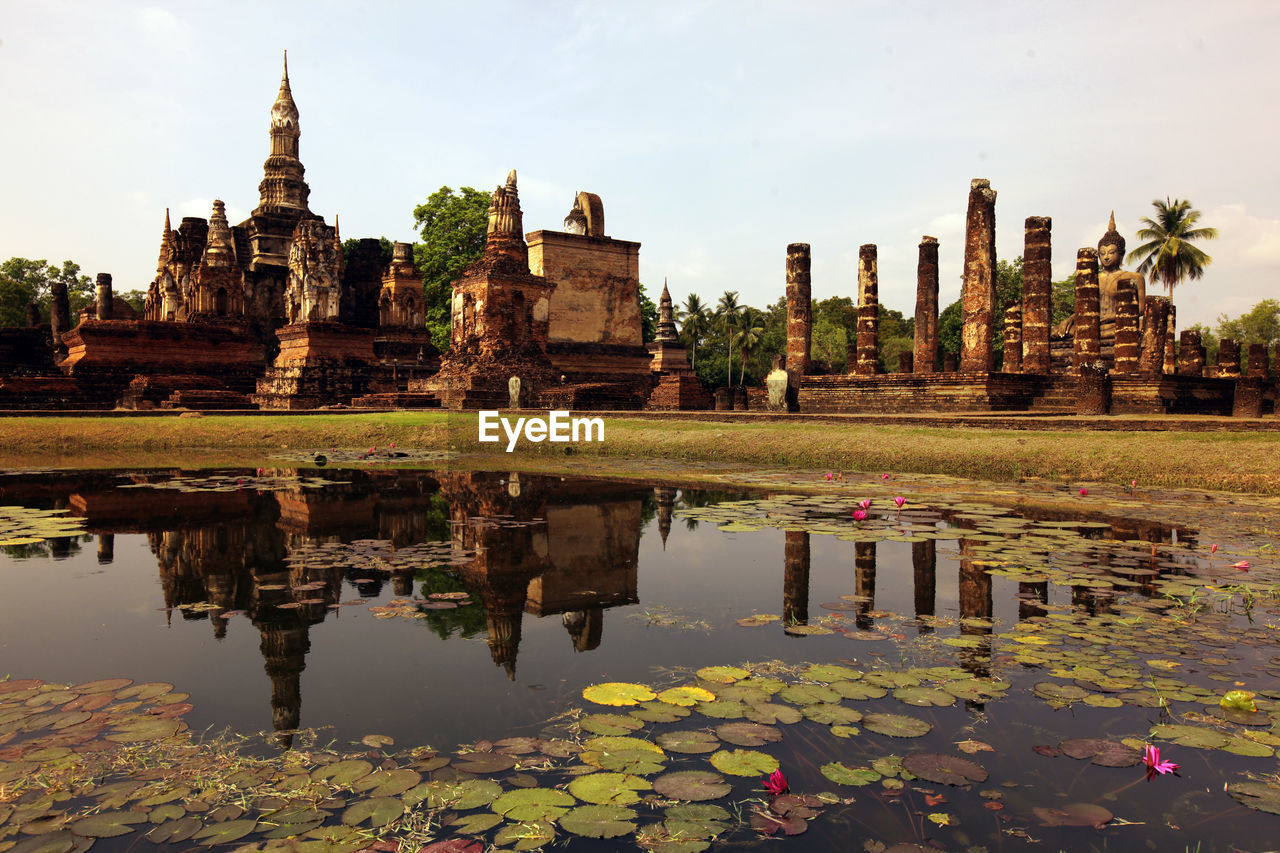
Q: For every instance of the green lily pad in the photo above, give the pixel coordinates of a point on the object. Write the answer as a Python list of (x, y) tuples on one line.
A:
[(475, 824), (689, 742), (722, 710), (744, 762), (174, 831), (461, 795), (618, 693), (526, 835), (599, 821), (659, 712), (748, 734), (379, 811), (858, 690), (63, 841), (924, 697), (617, 789), (609, 724), (842, 774), (767, 713), (343, 773), (107, 824), (225, 832), (1192, 736), (896, 725), (692, 785), (686, 696), (388, 783), (533, 804), (830, 714), (1259, 796), (722, 674), (808, 694), (1074, 814), (828, 672)]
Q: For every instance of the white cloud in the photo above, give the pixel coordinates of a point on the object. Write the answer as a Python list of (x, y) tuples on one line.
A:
[(161, 25)]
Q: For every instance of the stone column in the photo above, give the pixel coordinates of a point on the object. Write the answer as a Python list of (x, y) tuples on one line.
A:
[(799, 319), (1229, 358), (926, 332), (105, 296), (1093, 394), (1155, 327), (33, 315), (1170, 356), (1037, 289), (950, 362), (978, 293), (1126, 350), (1190, 354), (59, 317), (906, 361), (1012, 340), (1088, 331), (1248, 397), (1258, 361), (868, 312), (724, 399)]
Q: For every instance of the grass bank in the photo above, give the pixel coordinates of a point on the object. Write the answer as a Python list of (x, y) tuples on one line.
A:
[(1232, 461)]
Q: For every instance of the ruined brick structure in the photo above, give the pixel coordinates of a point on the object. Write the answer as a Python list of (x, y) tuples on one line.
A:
[(867, 349), (1037, 286), (799, 317), (1087, 336), (677, 386), (925, 350), (978, 293)]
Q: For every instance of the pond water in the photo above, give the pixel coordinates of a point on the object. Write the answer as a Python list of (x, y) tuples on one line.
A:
[(951, 674)]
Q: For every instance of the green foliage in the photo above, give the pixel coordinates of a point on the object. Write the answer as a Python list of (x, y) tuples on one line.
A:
[(1062, 300), (949, 322), (1168, 253), (1261, 325), (388, 249), (829, 346), (648, 317), (23, 281), (137, 299), (453, 227), (695, 322), (897, 335)]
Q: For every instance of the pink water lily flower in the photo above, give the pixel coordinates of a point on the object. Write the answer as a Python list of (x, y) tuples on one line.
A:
[(899, 502), (776, 783), (1084, 492), (884, 476), (1243, 565), (828, 476), (1151, 758), (865, 503), (859, 515)]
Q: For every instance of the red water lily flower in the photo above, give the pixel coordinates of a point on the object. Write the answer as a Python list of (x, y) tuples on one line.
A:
[(1151, 758), (859, 515), (776, 783)]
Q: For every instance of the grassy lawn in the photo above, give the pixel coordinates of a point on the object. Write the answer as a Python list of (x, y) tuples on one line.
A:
[(1233, 461)]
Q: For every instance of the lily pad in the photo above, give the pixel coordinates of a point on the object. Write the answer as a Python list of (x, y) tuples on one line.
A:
[(685, 696), (617, 789), (944, 769), (225, 832), (896, 725), (599, 821), (526, 835), (1259, 796), (722, 674), (689, 742), (842, 774), (378, 811), (744, 762), (1074, 814), (692, 785), (748, 734), (107, 824), (533, 804), (924, 697), (609, 724), (618, 693)]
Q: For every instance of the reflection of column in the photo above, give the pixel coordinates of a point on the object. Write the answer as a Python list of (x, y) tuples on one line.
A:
[(106, 548), (924, 564), (795, 578), (864, 567), (402, 583), (666, 500), (975, 602), (1032, 598), (585, 627), (284, 650)]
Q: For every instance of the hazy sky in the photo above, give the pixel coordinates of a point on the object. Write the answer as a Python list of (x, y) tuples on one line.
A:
[(715, 132)]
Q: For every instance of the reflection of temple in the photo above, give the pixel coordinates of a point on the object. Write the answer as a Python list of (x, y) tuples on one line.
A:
[(542, 549)]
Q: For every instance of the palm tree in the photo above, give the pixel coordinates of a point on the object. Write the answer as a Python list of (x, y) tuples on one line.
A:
[(727, 312), (694, 320), (1168, 254), (749, 335)]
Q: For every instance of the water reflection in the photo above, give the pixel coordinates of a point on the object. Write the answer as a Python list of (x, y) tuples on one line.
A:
[(285, 557)]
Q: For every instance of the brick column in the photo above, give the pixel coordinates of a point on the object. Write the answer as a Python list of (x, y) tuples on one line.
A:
[(1155, 327), (1093, 391), (1127, 342), (926, 331), (1170, 356), (799, 318), (1229, 358), (1190, 354), (1088, 331), (978, 292), (1248, 397), (905, 362), (59, 317), (105, 296), (1258, 361), (868, 351), (1037, 288), (1012, 340)]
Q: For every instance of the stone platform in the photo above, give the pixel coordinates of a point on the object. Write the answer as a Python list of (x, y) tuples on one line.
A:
[(322, 363), (679, 392)]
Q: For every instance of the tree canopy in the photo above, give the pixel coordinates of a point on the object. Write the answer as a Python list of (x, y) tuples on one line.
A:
[(453, 227), (23, 281), (1168, 253)]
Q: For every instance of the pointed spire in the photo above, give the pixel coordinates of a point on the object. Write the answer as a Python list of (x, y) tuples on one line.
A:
[(167, 227), (219, 250), (666, 332), (166, 240), (1111, 226), (284, 112)]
